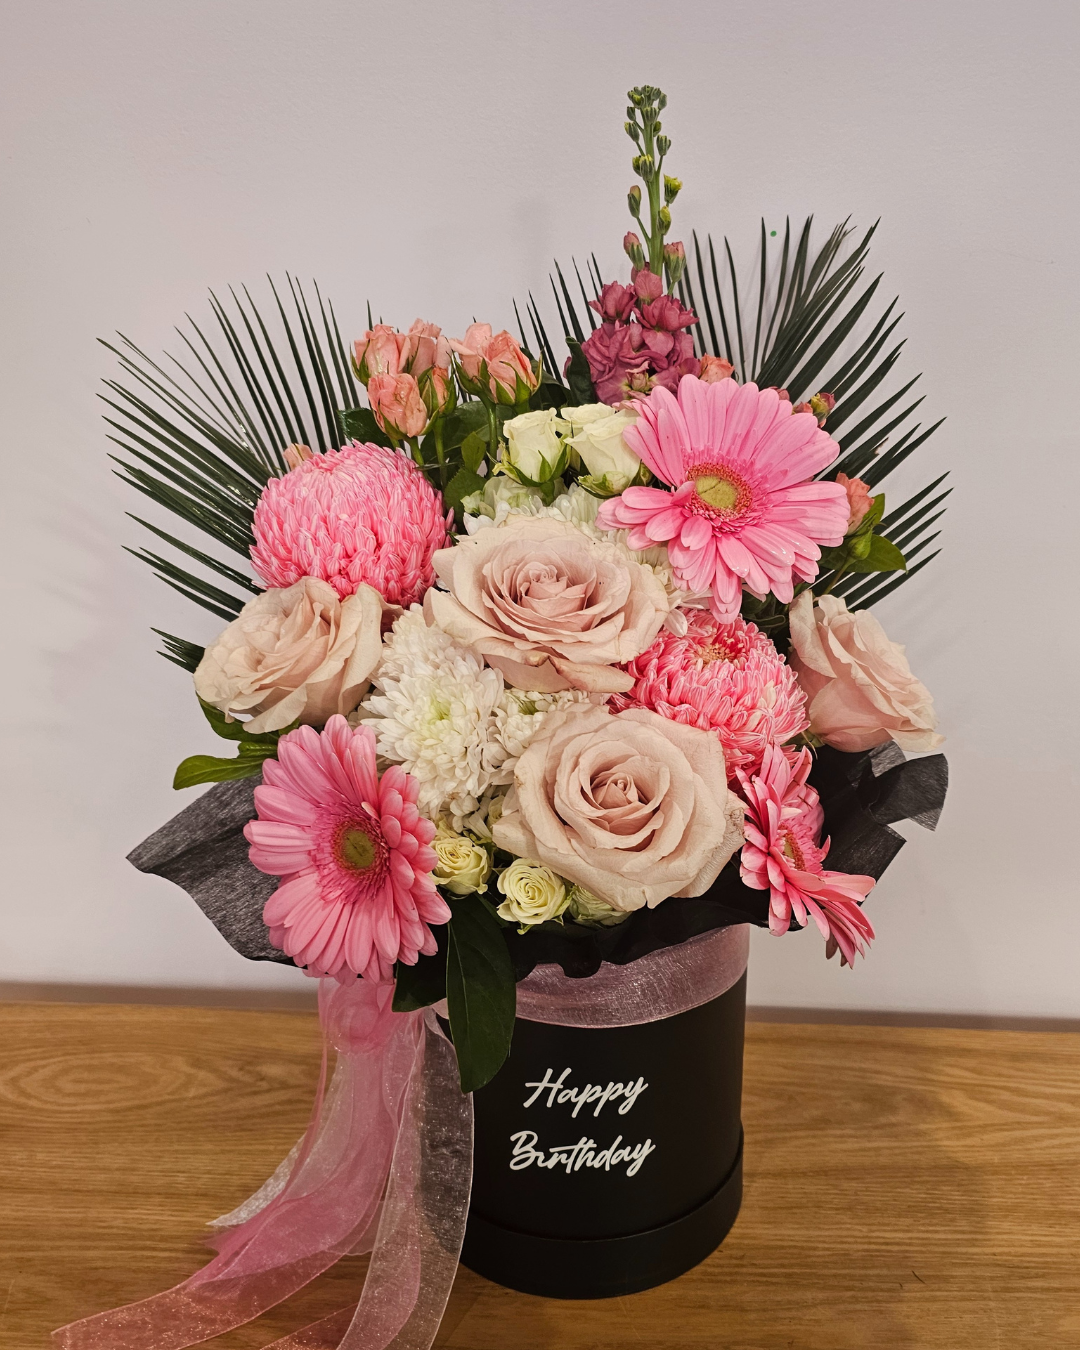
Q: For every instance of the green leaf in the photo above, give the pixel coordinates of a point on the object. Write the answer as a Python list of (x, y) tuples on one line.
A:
[(461, 485), (579, 376), (884, 556), (473, 449), (209, 769), (466, 418), (234, 730), (548, 394), (360, 424), (480, 992), (421, 985)]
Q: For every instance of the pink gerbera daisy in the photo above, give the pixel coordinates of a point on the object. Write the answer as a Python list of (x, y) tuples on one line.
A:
[(745, 508), (360, 514), (782, 856), (353, 854), (727, 678)]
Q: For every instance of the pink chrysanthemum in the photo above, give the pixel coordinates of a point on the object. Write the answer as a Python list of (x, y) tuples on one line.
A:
[(360, 514), (353, 854), (782, 856), (745, 508), (727, 678)]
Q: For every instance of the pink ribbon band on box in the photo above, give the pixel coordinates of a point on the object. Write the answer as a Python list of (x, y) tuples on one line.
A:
[(386, 1164)]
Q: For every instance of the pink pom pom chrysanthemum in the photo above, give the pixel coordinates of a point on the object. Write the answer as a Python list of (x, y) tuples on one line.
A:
[(727, 678), (744, 507), (360, 514), (353, 854), (781, 855)]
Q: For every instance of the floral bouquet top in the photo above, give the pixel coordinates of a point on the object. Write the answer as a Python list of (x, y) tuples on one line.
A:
[(534, 649)]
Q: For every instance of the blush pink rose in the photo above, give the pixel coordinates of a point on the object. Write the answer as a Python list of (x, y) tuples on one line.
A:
[(859, 687), (548, 606), (398, 407), (630, 806), (714, 369), (296, 652)]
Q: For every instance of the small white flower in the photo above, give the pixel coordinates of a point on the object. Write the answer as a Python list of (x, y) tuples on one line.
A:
[(433, 713), (533, 893), (518, 718)]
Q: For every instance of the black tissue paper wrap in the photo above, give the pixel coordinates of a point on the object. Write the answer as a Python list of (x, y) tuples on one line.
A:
[(203, 850)]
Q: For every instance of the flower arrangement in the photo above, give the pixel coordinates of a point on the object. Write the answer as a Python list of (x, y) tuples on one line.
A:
[(531, 647), (536, 667)]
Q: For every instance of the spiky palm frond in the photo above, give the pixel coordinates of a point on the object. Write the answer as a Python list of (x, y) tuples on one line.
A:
[(807, 325), (201, 434)]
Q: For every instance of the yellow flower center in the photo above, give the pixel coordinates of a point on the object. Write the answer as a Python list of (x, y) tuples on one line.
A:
[(356, 849), (716, 492)]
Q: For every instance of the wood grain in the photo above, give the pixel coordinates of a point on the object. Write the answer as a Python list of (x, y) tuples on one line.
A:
[(904, 1187)]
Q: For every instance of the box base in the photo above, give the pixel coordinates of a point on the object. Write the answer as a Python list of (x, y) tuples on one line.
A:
[(603, 1267)]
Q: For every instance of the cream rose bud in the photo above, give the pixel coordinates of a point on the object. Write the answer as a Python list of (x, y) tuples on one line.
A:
[(630, 806), (859, 687), (463, 866), (590, 910), (599, 442), (533, 444), (296, 652), (533, 893), (548, 606)]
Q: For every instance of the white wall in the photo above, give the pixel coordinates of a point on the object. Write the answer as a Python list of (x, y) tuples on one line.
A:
[(434, 157)]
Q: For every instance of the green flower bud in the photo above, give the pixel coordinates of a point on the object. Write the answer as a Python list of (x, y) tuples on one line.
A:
[(672, 188), (663, 144), (633, 199), (664, 217)]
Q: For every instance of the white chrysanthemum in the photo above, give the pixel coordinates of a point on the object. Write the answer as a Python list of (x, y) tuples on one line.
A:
[(518, 718), (502, 498), (433, 712)]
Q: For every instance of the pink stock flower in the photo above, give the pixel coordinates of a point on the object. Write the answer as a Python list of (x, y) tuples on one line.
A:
[(859, 498), (676, 361), (727, 678), (667, 314), (360, 514), (714, 369), (496, 359), (647, 285), (744, 507), (781, 855), (353, 854), (616, 302), (395, 400), (614, 354)]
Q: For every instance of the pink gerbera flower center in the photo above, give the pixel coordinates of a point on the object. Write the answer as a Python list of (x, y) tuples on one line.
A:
[(721, 494), (359, 847)]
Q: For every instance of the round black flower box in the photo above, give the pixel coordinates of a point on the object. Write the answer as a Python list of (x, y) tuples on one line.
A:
[(609, 1161)]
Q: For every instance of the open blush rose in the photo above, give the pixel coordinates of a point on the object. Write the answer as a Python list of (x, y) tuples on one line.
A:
[(630, 806), (296, 652), (546, 605), (859, 687)]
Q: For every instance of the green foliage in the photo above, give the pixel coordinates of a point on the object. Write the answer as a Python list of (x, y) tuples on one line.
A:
[(422, 984), (578, 375), (360, 424), (201, 435), (210, 769), (481, 995)]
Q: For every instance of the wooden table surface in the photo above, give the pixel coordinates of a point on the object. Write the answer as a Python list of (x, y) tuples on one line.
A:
[(904, 1188)]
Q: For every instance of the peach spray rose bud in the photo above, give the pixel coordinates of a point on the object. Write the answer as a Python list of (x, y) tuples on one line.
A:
[(438, 391), (296, 454), (378, 352), (859, 500), (397, 405), (423, 347), (493, 365), (714, 369)]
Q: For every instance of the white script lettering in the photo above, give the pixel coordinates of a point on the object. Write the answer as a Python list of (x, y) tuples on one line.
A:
[(576, 1156), (587, 1095)]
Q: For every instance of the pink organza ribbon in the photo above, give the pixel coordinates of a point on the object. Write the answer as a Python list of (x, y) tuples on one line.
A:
[(386, 1165)]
